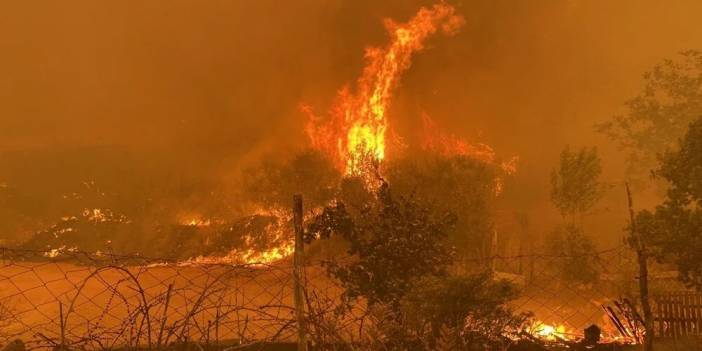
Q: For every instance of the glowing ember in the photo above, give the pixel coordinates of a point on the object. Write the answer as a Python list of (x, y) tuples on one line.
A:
[(354, 135), (197, 222)]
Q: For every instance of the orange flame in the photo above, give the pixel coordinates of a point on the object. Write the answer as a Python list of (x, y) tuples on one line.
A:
[(445, 144), (449, 145), (551, 332), (437, 141), (354, 135)]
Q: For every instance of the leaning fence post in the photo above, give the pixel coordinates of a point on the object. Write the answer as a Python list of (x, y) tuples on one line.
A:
[(298, 273)]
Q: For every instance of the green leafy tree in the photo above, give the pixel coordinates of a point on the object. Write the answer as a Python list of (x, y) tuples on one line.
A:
[(463, 312), (575, 189), (671, 99), (458, 184), (674, 231), (396, 241), (576, 255), (399, 266), (575, 184)]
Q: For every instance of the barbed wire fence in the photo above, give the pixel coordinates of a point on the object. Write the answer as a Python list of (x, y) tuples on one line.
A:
[(102, 301), (97, 302)]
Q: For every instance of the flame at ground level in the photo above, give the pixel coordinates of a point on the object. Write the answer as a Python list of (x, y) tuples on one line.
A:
[(550, 332)]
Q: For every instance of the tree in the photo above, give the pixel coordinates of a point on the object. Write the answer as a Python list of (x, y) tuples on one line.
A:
[(396, 242), (577, 253), (400, 268), (659, 115), (458, 184), (575, 185), (308, 173), (463, 312), (674, 230)]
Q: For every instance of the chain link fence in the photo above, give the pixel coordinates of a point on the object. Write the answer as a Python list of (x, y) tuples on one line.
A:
[(103, 301)]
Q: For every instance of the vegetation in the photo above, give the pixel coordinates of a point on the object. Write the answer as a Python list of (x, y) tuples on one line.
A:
[(576, 252), (464, 312), (309, 173), (401, 270), (575, 189), (457, 184), (670, 100), (396, 242), (575, 185), (674, 230)]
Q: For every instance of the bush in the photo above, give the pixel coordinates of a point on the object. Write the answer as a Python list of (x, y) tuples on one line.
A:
[(576, 252)]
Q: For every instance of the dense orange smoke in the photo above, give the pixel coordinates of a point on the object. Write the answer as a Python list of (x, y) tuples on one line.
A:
[(354, 133)]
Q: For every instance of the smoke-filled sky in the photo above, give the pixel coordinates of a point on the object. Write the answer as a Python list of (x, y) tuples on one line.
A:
[(217, 84)]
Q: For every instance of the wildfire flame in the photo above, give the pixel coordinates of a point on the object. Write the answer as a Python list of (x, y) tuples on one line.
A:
[(446, 144), (197, 222), (439, 142), (550, 332), (277, 234), (354, 135)]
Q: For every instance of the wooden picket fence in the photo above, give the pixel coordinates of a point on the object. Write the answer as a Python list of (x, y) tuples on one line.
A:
[(678, 314)]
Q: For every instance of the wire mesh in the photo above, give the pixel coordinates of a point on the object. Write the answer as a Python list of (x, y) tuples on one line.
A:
[(101, 301)]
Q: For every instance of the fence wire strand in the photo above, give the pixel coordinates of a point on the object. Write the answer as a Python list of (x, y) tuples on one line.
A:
[(100, 301)]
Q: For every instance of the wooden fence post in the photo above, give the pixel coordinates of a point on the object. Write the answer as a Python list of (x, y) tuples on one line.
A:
[(298, 274)]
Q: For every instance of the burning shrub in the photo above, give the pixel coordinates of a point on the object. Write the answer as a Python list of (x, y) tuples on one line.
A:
[(92, 230)]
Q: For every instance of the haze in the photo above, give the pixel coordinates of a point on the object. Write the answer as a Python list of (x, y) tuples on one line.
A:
[(125, 92)]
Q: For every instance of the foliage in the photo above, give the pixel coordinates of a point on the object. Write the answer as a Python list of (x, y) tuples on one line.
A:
[(658, 116), (674, 231), (578, 252), (309, 173), (465, 312), (683, 169), (400, 268), (575, 185), (448, 313), (395, 240), (458, 184)]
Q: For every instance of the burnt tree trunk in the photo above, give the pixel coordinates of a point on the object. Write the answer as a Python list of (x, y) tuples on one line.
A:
[(642, 256)]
